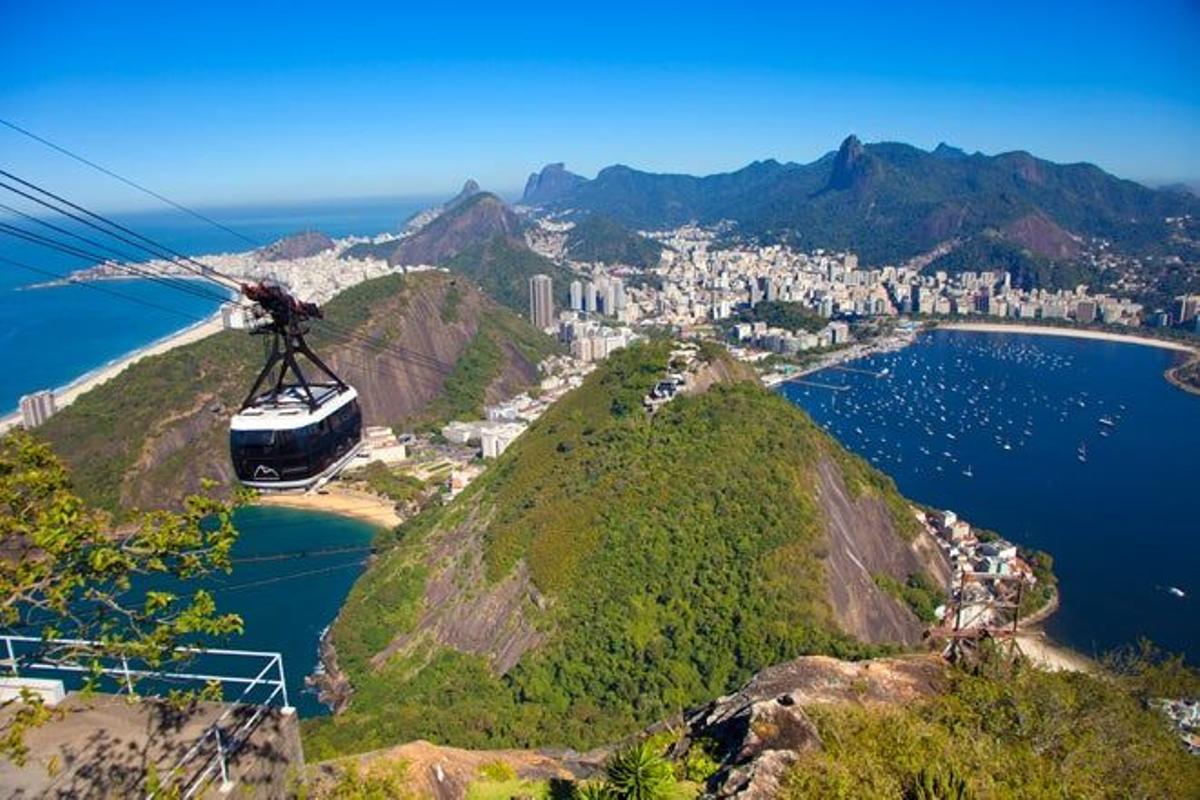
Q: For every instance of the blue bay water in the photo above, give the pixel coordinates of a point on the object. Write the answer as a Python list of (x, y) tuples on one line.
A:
[(286, 603), (1115, 505), (49, 337)]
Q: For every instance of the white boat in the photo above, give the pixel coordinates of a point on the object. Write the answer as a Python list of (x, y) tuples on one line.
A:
[(1107, 421), (1176, 591)]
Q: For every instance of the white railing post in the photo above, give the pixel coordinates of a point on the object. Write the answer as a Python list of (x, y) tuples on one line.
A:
[(128, 677), (226, 784), (12, 658), (287, 709)]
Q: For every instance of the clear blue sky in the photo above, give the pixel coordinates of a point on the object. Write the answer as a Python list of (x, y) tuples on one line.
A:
[(220, 103)]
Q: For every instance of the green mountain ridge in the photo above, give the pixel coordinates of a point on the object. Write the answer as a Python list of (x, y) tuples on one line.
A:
[(889, 201), (612, 568)]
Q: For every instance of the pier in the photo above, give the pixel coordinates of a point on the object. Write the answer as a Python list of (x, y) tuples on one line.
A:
[(872, 373), (831, 386)]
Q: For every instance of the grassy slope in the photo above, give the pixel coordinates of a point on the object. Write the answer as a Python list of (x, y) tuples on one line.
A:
[(679, 555), (1018, 734), (101, 435)]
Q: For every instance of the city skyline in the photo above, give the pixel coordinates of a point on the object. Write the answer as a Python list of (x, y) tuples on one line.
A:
[(254, 106)]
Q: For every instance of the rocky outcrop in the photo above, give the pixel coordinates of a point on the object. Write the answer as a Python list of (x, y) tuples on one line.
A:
[(761, 730), (463, 610), (863, 543), (552, 183)]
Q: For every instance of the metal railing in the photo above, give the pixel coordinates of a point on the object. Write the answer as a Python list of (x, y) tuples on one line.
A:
[(210, 754)]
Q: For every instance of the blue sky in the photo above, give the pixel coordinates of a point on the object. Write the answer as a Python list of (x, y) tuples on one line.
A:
[(221, 104)]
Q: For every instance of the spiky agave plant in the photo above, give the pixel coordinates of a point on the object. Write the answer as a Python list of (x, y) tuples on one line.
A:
[(638, 773), (939, 784)]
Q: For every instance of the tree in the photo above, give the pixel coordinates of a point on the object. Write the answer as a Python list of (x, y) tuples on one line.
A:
[(65, 573)]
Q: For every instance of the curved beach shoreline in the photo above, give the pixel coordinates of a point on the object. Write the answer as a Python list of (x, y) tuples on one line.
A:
[(69, 393), (1070, 332), (345, 502)]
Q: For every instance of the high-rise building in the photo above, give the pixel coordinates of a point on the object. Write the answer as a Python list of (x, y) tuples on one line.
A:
[(576, 296), (589, 298), (541, 301), (36, 408)]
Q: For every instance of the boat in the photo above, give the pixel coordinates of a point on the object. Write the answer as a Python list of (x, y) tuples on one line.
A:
[(970, 473), (1175, 590), (1107, 421), (1081, 454)]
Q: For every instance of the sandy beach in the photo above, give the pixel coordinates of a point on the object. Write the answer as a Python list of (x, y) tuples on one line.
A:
[(1047, 655), (1074, 333), (65, 395), (339, 500)]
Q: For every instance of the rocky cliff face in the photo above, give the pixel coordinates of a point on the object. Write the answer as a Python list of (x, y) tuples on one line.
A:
[(864, 543), (552, 183)]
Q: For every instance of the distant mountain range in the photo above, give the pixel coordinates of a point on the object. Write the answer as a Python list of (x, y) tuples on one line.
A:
[(888, 202)]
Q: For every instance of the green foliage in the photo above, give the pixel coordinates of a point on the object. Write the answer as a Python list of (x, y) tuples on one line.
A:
[(638, 772), (677, 554), (778, 314), (400, 489), (69, 576), (599, 238), (482, 362), (380, 780), (450, 303), (497, 771), (1045, 589), (932, 783), (1007, 732), (502, 267), (917, 592)]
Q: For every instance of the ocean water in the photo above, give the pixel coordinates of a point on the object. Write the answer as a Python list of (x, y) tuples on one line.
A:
[(286, 603), (1114, 504), (50, 336)]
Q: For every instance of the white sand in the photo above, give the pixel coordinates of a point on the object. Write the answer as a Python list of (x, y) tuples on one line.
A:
[(1075, 333), (65, 395)]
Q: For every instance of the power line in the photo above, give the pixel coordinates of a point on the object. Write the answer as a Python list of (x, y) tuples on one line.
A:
[(102, 289), (204, 270), (91, 257), (127, 181)]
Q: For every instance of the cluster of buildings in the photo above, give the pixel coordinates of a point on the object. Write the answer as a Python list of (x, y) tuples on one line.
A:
[(785, 342), (1184, 714), (1185, 312), (980, 601), (504, 422), (697, 283)]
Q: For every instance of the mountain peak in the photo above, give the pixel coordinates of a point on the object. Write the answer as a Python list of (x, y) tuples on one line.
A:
[(946, 151), (550, 184), (469, 190), (852, 166)]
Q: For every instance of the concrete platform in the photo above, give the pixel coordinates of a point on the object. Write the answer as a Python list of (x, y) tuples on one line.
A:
[(104, 745)]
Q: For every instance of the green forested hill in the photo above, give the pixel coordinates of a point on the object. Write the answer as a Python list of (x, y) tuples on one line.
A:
[(609, 570), (598, 238)]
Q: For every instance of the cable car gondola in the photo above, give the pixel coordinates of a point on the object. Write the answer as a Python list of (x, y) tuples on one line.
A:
[(299, 432)]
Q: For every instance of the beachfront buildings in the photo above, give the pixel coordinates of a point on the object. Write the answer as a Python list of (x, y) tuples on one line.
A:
[(36, 408)]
